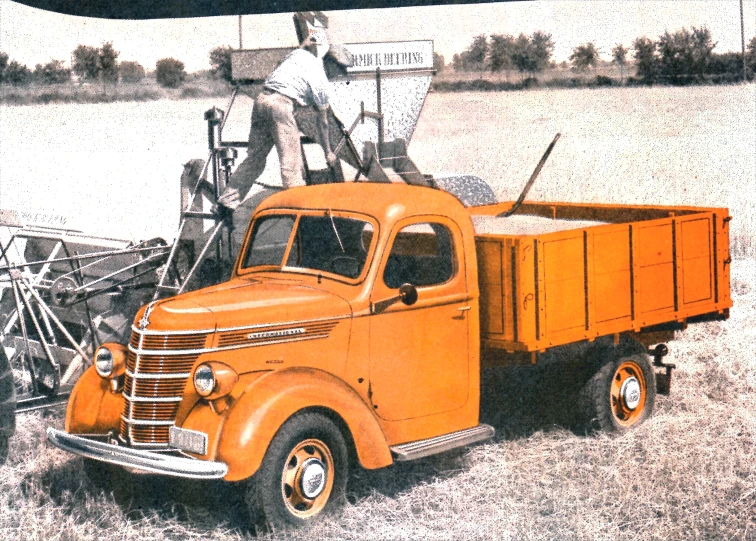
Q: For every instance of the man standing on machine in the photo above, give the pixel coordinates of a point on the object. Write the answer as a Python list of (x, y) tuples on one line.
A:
[(298, 81)]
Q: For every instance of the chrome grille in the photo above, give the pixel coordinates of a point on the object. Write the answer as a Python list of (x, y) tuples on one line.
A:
[(157, 370)]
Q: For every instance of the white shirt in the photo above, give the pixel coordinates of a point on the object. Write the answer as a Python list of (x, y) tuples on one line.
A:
[(301, 77)]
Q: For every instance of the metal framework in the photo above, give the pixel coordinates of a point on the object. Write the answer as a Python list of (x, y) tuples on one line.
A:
[(63, 293)]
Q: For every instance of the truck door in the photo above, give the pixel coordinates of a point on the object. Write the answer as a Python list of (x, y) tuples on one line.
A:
[(419, 353)]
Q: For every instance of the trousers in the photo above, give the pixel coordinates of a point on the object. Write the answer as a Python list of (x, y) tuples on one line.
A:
[(273, 124)]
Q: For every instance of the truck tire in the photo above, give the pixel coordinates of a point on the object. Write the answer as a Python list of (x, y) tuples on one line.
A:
[(303, 474), (620, 395), (7, 405)]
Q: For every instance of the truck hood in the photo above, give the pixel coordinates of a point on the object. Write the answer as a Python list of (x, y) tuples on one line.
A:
[(241, 303)]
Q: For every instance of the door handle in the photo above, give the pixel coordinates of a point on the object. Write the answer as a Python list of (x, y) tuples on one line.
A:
[(462, 310)]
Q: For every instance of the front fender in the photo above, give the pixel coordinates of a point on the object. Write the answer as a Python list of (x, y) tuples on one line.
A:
[(255, 417), (92, 407)]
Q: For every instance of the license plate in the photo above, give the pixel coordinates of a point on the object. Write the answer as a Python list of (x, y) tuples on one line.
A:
[(188, 440)]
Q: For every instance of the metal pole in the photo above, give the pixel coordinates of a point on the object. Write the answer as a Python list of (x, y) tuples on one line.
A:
[(380, 109), (742, 40), (240, 33)]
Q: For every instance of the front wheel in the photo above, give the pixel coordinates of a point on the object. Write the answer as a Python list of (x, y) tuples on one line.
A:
[(303, 474), (620, 395)]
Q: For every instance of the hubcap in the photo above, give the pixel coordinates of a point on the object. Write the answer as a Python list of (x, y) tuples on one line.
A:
[(631, 392), (313, 478), (628, 393), (307, 478)]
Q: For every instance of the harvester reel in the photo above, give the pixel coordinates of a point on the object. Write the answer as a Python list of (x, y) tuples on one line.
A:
[(61, 295)]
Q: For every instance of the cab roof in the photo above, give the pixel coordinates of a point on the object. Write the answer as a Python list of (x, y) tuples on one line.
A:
[(386, 202)]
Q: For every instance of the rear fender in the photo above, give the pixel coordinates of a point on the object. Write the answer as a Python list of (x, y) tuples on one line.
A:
[(256, 416)]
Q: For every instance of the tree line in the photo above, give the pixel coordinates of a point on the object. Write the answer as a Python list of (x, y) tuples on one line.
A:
[(91, 65), (678, 57)]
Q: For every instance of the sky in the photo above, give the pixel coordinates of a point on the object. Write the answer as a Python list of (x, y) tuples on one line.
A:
[(33, 36)]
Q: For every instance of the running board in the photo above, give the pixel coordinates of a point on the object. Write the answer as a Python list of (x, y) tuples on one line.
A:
[(439, 444)]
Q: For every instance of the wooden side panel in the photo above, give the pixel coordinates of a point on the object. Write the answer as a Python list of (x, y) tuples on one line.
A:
[(612, 298), (564, 284), (655, 277), (697, 275), (491, 282)]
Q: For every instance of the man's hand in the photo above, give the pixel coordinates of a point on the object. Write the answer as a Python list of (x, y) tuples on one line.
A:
[(230, 199), (224, 214), (226, 205)]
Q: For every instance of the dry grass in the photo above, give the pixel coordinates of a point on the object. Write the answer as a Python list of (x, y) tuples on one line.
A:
[(687, 473), (146, 90), (449, 75)]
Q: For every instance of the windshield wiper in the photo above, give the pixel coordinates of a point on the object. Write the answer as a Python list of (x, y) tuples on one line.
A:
[(333, 224)]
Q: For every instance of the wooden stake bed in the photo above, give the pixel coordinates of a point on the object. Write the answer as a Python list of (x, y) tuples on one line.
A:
[(561, 273)]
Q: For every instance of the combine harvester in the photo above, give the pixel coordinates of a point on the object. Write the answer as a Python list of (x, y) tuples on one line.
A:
[(63, 293)]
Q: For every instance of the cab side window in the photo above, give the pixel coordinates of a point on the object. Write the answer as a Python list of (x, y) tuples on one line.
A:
[(422, 255)]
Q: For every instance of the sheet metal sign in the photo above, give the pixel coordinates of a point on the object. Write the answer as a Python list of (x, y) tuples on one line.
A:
[(391, 56)]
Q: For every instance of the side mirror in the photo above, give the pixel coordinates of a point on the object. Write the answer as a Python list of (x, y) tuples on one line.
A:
[(408, 293)]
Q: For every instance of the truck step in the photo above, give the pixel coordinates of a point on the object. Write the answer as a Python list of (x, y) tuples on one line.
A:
[(439, 444)]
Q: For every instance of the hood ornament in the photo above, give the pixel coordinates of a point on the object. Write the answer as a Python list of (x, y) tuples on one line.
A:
[(145, 319)]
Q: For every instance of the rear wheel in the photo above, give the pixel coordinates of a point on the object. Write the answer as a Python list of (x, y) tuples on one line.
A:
[(7, 405), (303, 474), (620, 395)]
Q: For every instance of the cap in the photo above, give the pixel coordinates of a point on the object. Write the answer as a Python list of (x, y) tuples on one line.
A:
[(307, 23)]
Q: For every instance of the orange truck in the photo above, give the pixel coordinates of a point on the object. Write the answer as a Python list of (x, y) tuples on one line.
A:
[(356, 323)]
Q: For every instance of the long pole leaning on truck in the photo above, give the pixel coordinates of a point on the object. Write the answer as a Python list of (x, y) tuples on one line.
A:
[(533, 177)]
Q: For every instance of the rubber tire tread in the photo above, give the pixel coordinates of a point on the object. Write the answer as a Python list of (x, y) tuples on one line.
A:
[(7, 405), (594, 398), (263, 497)]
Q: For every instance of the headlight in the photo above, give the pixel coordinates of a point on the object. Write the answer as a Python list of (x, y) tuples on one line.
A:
[(214, 380), (204, 380), (104, 362)]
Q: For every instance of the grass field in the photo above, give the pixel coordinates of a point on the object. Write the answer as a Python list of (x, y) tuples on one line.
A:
[(689, 472), (145, 90)]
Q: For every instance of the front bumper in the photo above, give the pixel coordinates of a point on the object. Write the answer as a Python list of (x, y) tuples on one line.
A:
[(149, 461)]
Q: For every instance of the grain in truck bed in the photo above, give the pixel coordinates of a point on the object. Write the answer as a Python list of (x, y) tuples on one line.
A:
[(526, 225)]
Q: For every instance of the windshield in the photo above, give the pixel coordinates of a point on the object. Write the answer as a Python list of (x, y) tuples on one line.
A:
[(324, 242)]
